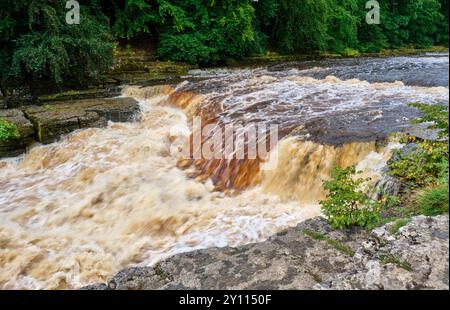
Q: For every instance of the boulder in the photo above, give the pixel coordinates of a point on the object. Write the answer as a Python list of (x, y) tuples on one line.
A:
[(53, 120), (18, 146)]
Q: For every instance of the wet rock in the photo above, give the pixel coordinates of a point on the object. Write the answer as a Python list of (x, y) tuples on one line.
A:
[(138, 67), (423, 132), (51, 121), (387, 185), (310, 256), (18, 146), (289, 260), (139, 279), (17, 97)]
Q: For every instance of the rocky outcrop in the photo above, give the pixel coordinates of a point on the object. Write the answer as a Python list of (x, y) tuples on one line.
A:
[(414, 257), (139, 67), (58, 118), (309, 256), (47, 123), (108, 91), (17, 146)]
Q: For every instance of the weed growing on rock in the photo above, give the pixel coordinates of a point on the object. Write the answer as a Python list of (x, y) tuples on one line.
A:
[(8, 131), (338, 245), (425, 170), (391, 259), (429, 159), (398, 224)]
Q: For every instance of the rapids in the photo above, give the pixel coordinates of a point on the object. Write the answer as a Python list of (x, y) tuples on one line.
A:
[(76, 211)]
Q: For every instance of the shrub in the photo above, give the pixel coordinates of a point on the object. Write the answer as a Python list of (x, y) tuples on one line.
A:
[(427, 166), (429, 160), (421, 167), (346, 204), (8, 131)]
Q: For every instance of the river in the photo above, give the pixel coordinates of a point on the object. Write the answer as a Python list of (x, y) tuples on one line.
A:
[(76, 211)]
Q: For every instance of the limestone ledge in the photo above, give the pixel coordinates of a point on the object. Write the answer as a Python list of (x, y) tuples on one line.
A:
[(47, 123), (309, 256)]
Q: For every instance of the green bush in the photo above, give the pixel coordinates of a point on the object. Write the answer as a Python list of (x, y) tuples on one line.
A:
[(429, 160), (191, 48), (426, 168), (421, 167), (346, 204), (8, 131)]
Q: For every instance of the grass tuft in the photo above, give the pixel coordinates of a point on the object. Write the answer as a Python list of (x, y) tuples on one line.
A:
[(391, 259), (162, 274), (338, 245), (398, 224), (434, 201)]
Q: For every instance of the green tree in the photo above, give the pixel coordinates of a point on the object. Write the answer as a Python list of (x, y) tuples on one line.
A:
[(203, 32), (302, 25), (37, 44), (371, 37), (132, 17), (443, 31), (425, 19), (343, 25)]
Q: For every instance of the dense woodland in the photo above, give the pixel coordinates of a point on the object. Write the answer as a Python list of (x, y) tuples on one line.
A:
[(36, 43)]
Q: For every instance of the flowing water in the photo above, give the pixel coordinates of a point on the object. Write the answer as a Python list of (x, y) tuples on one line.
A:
[(76, 211)]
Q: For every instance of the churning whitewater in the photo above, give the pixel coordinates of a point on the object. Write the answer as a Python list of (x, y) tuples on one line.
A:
[(76, 211)]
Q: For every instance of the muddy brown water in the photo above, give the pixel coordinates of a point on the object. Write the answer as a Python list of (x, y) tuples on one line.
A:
[(76, 211)]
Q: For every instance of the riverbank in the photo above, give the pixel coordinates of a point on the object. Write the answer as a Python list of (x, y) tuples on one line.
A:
[(271, 57), (309, 256)]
